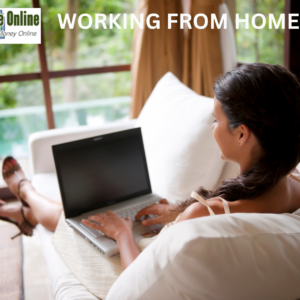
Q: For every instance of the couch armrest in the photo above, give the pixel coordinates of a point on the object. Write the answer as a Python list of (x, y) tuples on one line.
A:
[(40, 151)]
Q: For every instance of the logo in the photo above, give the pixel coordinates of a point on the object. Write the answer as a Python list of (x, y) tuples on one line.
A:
[(2, 26), (20, 25)]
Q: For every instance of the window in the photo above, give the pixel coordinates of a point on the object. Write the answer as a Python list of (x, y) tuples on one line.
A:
[(82, 48), (22, 112), (97, 99), (76, 97), (93, 99)]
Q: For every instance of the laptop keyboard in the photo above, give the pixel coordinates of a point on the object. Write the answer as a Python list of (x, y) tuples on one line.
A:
[(129, 212)]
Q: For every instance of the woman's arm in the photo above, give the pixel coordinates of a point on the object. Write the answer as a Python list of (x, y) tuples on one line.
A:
[(120, 230), (128, 248)]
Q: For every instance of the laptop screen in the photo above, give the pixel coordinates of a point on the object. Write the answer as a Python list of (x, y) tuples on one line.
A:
[(100, 171)]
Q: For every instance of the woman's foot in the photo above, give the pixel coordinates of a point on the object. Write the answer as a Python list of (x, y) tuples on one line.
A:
[(45, 211), (23, 216), (15, 179)]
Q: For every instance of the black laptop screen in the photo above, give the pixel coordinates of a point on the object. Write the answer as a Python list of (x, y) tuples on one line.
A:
[(102, 170)]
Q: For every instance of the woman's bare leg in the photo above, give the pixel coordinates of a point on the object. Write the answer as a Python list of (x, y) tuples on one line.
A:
[(46, 212)]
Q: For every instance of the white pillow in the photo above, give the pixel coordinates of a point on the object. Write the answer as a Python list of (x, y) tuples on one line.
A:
[(181, 151), (228, 257)]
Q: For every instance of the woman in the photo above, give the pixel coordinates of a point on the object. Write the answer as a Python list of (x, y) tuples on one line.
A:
[(257, 125)]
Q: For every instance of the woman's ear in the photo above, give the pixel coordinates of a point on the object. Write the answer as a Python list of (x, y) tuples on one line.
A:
[(244, 134)]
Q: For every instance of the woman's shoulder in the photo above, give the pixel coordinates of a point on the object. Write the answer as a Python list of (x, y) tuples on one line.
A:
[(238, 206), (198, 209), (295, 175), (295, 190)]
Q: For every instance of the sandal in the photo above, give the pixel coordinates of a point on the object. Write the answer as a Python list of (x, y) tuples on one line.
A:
[(14, 170), (25, 227)]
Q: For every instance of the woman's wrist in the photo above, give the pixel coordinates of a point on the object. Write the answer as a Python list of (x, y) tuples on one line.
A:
[(127, 246), (123, 233)]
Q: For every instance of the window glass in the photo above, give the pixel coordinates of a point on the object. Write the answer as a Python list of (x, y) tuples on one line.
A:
[(91, 99), (82, 48), (260, 45), (22, 112)]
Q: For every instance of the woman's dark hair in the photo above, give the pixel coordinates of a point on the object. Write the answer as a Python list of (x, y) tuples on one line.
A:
[(266, 98)]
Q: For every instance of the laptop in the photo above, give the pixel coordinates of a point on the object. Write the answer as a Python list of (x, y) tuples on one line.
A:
[(107, 172)]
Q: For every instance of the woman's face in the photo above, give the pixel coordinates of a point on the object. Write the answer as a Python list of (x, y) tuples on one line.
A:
[(226, 139)]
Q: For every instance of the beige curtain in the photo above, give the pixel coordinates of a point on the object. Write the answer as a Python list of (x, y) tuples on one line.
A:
[(232, 10), (195, 58), (202, 50), (155, 51)]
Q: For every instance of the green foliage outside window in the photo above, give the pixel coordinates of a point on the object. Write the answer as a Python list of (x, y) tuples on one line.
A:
[(260, 45), (95, 48)]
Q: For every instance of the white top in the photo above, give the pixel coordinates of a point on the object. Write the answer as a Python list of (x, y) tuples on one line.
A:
[(200, 199)]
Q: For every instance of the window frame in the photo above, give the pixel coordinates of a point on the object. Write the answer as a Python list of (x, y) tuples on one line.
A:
[(45, 74)]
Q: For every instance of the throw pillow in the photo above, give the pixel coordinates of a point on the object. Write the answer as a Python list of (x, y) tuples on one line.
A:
[(181, 151)]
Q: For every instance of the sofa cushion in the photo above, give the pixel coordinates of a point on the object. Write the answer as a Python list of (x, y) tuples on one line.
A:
[(46, 184), (41, 142), (181, 151), (64, 284), (237, 256)]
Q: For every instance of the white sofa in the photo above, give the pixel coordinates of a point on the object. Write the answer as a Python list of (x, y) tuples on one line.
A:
[(64, 284), (238, 256)]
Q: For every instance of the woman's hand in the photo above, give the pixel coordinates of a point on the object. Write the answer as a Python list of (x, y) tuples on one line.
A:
[(163, 210), (120, 230), (110, 224)]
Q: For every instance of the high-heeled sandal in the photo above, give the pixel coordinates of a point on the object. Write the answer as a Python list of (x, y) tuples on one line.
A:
[(14, 170), (25, 227)]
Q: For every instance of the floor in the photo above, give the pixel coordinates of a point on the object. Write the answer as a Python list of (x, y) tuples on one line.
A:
[(36, 278), (10, 263)]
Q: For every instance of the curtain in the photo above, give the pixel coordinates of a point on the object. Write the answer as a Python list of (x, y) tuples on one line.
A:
[(231, 4), (155, 51), (195, 58), (202, 50)]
